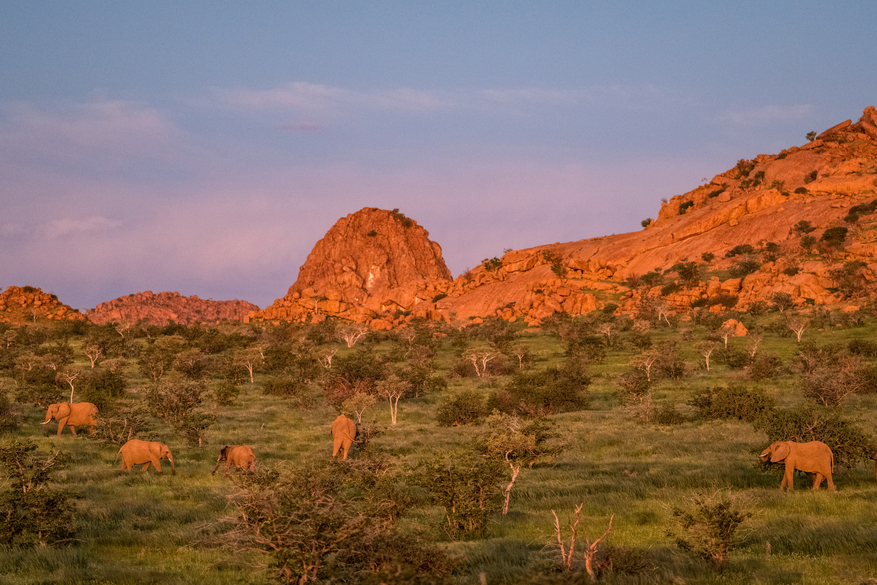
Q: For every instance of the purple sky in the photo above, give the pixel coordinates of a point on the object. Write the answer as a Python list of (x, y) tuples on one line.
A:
[(204, 147)]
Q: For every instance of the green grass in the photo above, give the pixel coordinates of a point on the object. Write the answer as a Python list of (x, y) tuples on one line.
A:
[(151, 528)]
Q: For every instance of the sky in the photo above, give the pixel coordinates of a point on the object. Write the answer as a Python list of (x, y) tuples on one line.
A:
[(204, 147)]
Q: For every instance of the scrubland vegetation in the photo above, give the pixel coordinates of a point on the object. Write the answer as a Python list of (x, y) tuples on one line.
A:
[(603, 447)]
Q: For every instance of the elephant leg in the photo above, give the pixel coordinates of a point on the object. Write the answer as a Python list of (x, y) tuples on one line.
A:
[(829, 482), (336, 446), (145, 466), (61, 424), (157, 463), (346, 449), (817, 480), (72, 429), (788, 479)]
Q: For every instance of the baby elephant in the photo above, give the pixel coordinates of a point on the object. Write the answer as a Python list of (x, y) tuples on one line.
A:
[(343, 436), (814, 458), (240, 455)]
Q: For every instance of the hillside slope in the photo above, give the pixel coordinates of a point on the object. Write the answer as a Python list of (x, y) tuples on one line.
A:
[(757, 202)]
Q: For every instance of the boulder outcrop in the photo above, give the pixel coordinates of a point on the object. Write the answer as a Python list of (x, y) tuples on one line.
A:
[(164, 307), (28, 304)]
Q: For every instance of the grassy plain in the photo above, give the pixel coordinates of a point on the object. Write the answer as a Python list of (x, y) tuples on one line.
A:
[(149, 528)]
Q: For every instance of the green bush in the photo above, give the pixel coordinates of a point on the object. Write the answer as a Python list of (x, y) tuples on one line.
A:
[(667, 415), (812, 423), (551, 391), (834, 236), (463, 482), (740, 250), (764, 366), (226, 392), (684, 206), (734, 402), (744, 267), (708, 528), (465, 408), (33, 510)]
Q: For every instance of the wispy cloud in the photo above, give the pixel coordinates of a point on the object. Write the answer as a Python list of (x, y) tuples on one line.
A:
[(301, 95), (766, 115), (110, 129), (69, 226)]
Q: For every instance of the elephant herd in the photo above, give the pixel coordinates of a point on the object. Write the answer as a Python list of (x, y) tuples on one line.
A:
[(814, 458), (146, 453)]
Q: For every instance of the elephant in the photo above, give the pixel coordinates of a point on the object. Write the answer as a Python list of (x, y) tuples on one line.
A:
[(240, 455), (71, 414), (343, 435), (137, 452), (814, 458)]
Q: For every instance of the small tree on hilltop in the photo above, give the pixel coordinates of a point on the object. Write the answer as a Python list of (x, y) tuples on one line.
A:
[(798, 325)]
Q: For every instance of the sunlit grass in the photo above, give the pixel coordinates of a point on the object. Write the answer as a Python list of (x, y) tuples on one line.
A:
[(149, 528)]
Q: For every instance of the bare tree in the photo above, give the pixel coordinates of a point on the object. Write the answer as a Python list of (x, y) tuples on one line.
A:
[(249, 359), (663, 312), (393, 389), (358, 404), (352, 333), (726, 331), (706, 349), (646, 360), (590, 554), (523, 353), (93, 352), (753, 344), (798, 325), (606, 329), (325, 356), (69, 375), (480, 356)]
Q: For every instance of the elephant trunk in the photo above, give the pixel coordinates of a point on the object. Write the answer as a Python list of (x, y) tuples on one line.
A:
[(173, 468)]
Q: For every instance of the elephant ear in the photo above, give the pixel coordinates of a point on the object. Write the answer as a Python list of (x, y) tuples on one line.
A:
[(63, 410), (781, 451)]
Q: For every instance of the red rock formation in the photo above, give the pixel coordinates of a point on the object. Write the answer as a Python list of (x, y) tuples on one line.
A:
[(390, 276), (371, 265), (161, 308), (28, 304)]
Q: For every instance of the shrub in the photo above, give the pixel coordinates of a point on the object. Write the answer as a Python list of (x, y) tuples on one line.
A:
[(372, 233), (670, 288), (689, 272), (226, 392), (707, 257), (744, 167), (463, 482), (708, 527), (716, 192), (551, 391), (801, 190), (811, 176), (791, 270), (740, 250), (834, 236), (764, 367), (667, 415), (646, 222), (745, 267), (589, 347), (101, 386), (724, 299), (684, 206), (850, 278), (323, 523), (466, 408), (492, 264), (33, 511), (734, 402), (652, 278)]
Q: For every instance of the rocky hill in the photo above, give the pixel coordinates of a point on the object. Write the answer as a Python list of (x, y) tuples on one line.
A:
[(801, 222), (161, 308), (371, 264), (28, 304)]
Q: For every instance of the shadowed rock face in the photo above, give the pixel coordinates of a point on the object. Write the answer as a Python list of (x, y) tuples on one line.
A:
[(370, 262), (161, 308), (371, 268)]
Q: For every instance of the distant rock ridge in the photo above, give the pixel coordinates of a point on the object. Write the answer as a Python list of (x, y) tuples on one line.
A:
[(28, 304), (757, 202), (164, 307)]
